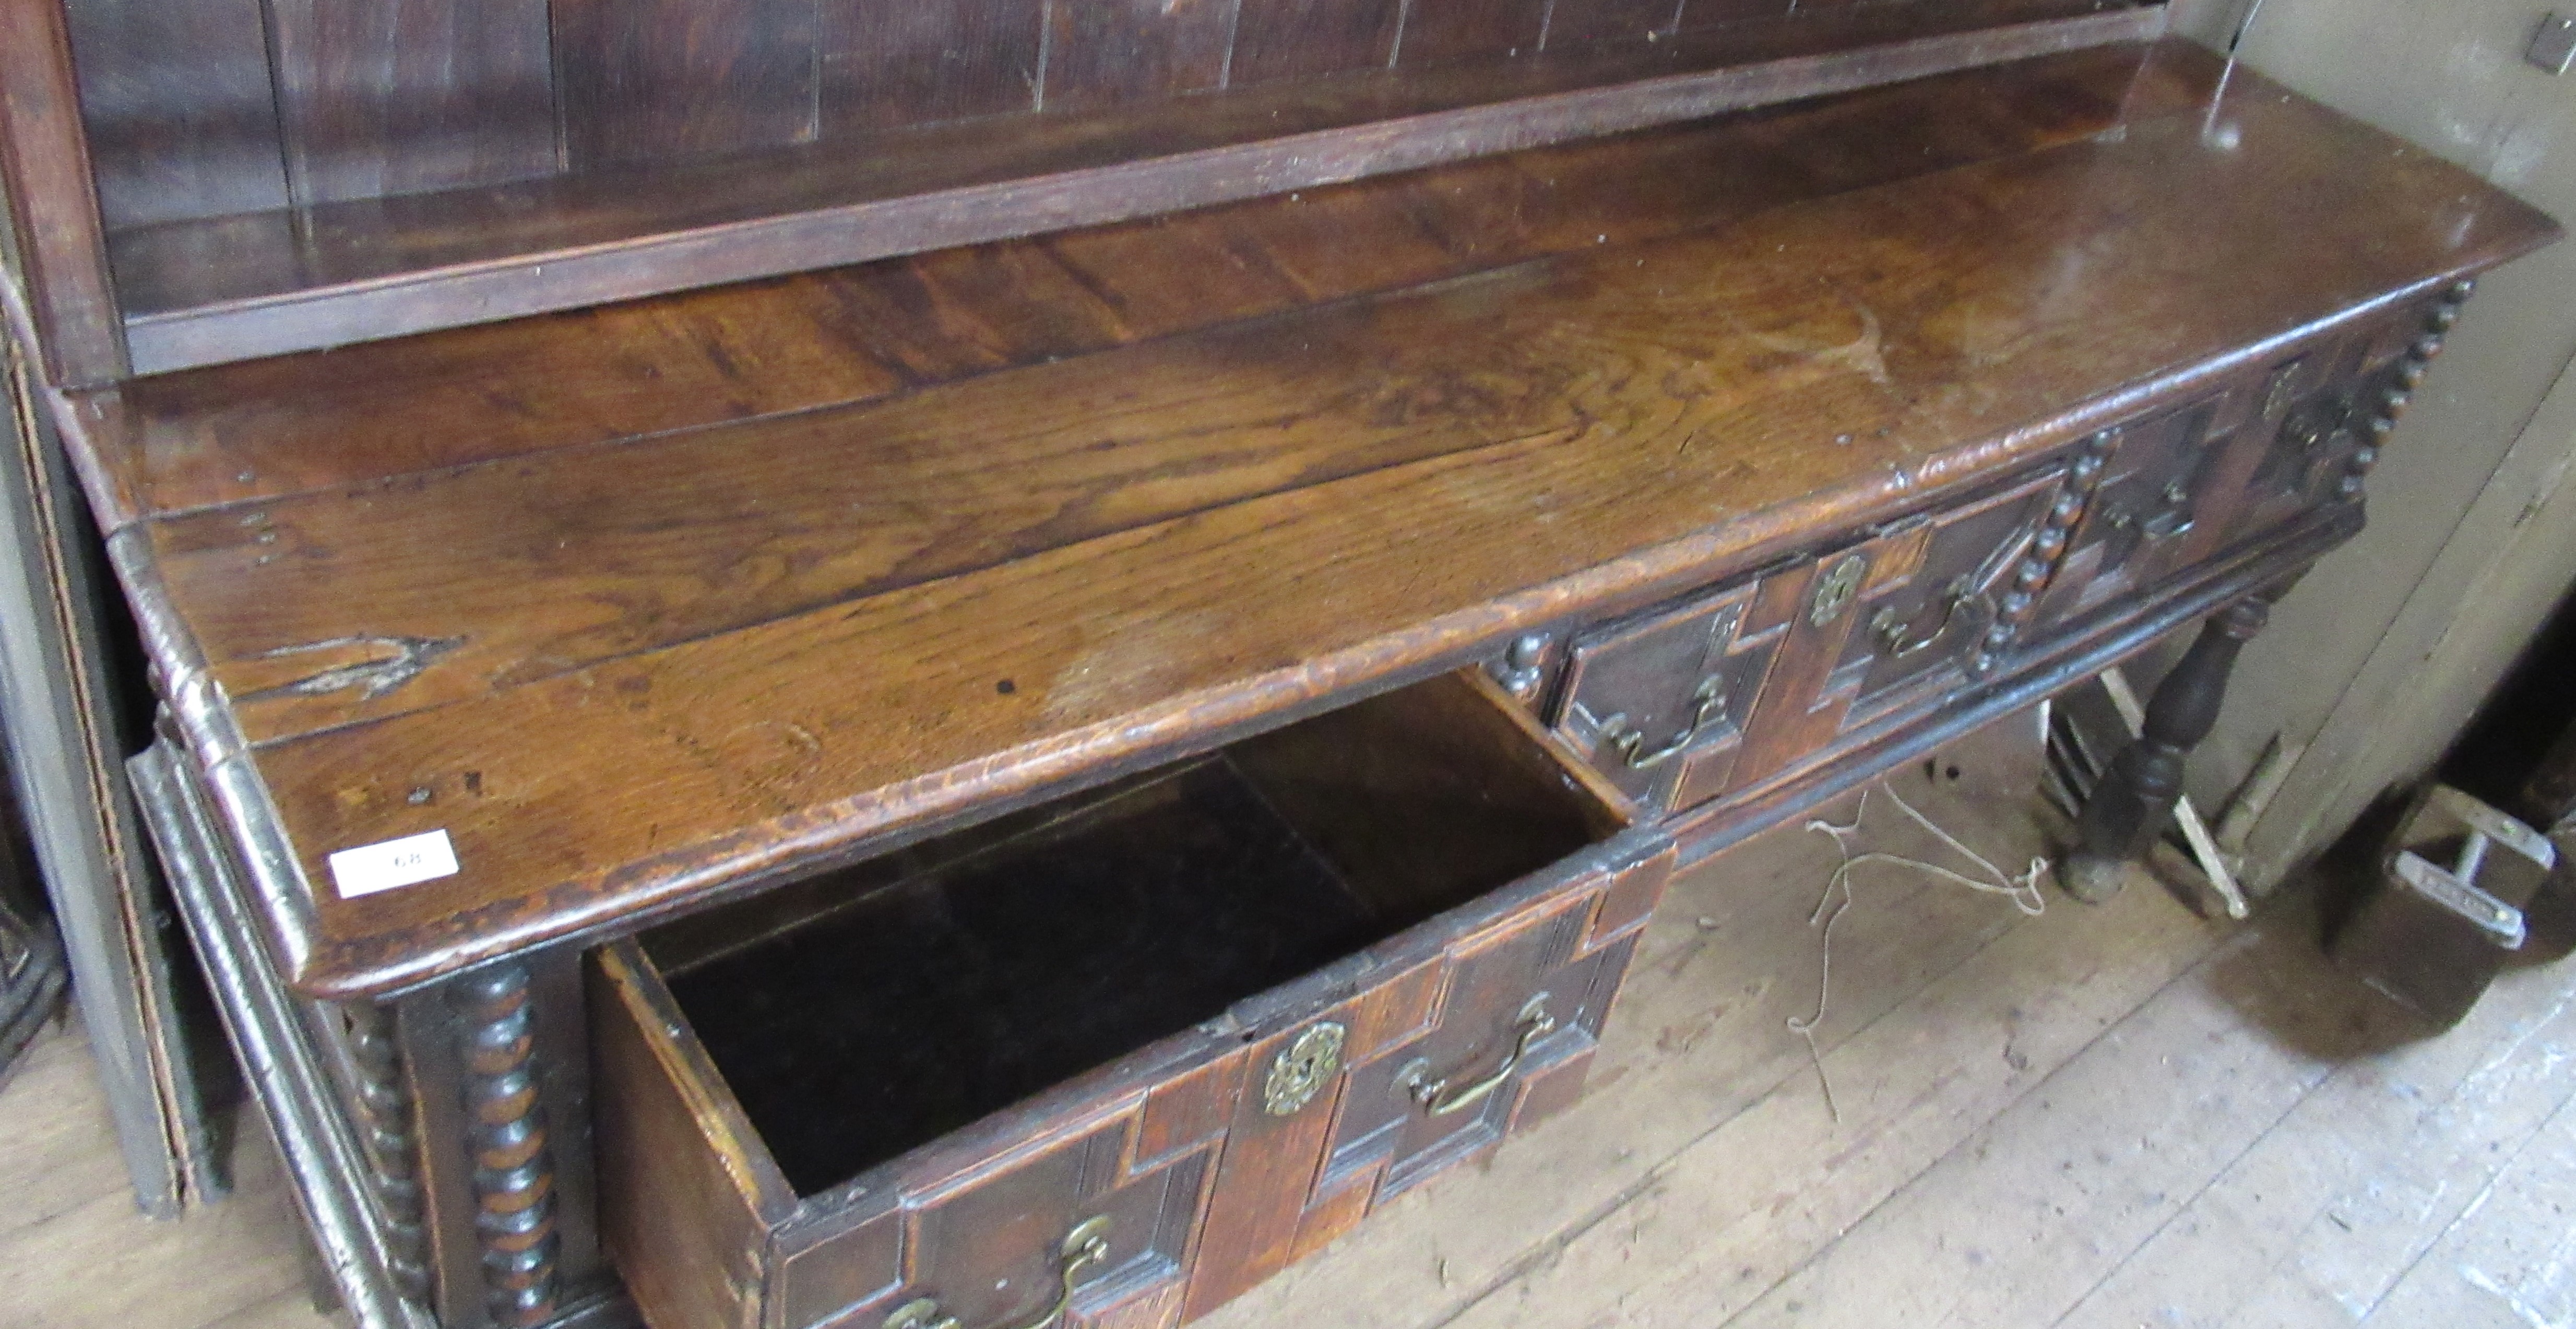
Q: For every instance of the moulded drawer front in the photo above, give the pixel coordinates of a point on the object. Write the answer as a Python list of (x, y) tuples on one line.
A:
[(1668, 691), (2279, 442), (1098, 1218), (1177, 1169), (1474, 1032)]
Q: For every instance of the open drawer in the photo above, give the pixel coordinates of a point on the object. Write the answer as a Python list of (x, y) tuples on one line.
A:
[(1114, 1059)]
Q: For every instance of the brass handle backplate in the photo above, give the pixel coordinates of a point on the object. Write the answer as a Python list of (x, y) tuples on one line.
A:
[(1085, 1246), (1438, 1099), (1893, 629), (1630, 742)]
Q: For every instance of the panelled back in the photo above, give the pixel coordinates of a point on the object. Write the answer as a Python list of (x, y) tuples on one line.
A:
[(209, 108)]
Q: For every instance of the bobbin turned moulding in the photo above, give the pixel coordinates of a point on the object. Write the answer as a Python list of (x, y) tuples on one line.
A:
[(1898, 410)]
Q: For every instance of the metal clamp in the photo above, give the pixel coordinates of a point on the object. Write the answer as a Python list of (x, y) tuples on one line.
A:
[(1630, 742), (1085, 1246), (1435, 1096)]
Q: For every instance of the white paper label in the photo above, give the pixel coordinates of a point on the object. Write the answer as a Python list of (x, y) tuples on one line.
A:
[(394, 864)]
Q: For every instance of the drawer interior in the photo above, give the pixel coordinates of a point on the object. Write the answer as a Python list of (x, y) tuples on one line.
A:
[(867, 1011)]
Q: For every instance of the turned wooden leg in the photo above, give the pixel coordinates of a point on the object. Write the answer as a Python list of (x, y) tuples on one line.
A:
[(2135, 800)]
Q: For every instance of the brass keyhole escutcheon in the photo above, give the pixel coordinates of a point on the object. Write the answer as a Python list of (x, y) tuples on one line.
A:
[(1302, 1071), (1836, 589)]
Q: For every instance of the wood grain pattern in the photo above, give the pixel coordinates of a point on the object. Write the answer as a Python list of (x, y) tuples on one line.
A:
[(59, 286), (1176, 1142), (1128, 643), (382, 99), (643, 81), (891, 63), (1575, 436), (1109, 52), (236, 287), (1573, 21), (271, 429), (181, 112), (1280, 39), (1444, 30), (685, 1191), (1697, 14), (1062, 453)]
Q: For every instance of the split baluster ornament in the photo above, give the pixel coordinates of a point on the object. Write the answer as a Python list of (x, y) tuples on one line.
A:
[(2047, 550), (2392, 401), (514, 1219), (389, 1128), (2135, 800)]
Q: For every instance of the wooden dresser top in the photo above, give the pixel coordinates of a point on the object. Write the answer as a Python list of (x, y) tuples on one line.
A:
[(647, 604)]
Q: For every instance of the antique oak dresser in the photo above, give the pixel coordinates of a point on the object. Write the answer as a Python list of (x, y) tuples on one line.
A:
[(974, 664)]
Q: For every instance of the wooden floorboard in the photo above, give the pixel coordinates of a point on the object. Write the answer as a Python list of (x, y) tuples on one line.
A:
[(2092, 1119), (75, 1253)]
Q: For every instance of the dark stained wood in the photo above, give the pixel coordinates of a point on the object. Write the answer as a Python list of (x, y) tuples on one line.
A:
[(270, 429), (1110, 52), (264, 283), (387, 1118), (1277, 39), (1444, 30), (1602, 428), (655, 80), (891, 63), (57, 249), (2048, 665), (1680, 678), (1713, 13), (2136, 797), (1176, 1139), (1077, 649), (514, 1182), (685, 1188), (181, 112), (1571, 21), (382, 99)]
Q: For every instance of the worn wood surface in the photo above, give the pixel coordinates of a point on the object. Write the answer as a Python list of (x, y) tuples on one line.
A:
[(180, 112), (1109, 557), (2299, 1166), (192, 109), (1423, 854), (242, 285), (651, 82), (275, 428), (62, 302), (400, 99)]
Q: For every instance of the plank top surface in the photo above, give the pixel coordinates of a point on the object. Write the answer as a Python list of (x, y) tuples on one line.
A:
[(642, 604)]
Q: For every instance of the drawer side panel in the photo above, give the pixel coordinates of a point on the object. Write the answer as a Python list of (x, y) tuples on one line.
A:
[(685, 1229)]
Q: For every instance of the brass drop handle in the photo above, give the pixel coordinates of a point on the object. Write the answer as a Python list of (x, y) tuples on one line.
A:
[(1439, 1100), (1630, 742), (2175, 517), (1891, 627), (1085, 1246)]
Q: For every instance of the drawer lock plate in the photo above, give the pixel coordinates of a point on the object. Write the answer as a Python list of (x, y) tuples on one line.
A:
[(1836, 589), (1302, 1071)]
